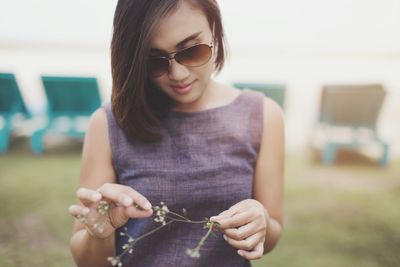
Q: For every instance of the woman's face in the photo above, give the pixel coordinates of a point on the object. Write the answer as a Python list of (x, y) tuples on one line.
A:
[(184, 28)]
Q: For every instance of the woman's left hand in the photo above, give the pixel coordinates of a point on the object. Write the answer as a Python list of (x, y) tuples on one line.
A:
[(244, 227)]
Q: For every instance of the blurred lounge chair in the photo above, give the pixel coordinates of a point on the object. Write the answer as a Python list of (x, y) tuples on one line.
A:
[(274, 91), (348, 119), (70, 102), (11, 105)]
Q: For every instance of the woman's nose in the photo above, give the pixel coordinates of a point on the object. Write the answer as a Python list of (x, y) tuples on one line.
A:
[(177, 72)]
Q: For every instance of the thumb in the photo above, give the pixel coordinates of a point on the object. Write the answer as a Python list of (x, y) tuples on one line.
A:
[(225, 214)]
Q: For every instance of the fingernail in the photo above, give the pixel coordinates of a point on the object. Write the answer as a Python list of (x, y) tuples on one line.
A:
[(224, 236), (240, 252), (147, 206), (96, 196), (86, 210), (127, 201)]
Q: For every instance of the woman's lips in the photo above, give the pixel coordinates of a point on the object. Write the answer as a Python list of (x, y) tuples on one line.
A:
[(182, 88)]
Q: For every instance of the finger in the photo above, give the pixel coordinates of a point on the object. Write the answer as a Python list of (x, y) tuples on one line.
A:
[(246, 244), (133, 212), (138, 199), (76, 210), (236, 220), (119, 215), (255, 254), (244, 231), (87, 196), (125, 196), (116, 195), (226, 213)]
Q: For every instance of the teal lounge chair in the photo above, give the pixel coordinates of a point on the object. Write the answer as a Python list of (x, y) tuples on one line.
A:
[(69, 100), (357, 108), (11, 104), (274, 91)]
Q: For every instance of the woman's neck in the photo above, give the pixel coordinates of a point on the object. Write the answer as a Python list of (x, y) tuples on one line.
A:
[(208, 97)]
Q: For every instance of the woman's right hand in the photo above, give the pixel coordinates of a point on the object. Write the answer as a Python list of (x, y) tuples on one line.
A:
[(123, 203)]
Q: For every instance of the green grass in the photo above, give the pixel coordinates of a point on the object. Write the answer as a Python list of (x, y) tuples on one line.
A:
[(35, 192), (346, 215)]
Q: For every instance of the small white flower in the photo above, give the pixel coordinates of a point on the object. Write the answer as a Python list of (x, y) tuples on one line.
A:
[(99, 227), (114, 261), (161, 213), (194, 253), (103, 207), (82, 218), (165, 208)]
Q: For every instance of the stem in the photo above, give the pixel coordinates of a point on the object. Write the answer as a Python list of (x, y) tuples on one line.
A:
[(201, 242), (154, 230), (143, 236), (185, 221), (179, 218), (185, 218), (178, 215)]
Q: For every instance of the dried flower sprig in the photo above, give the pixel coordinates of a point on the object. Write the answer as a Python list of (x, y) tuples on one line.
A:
[(99, 221), (165, 217), (195, 252)]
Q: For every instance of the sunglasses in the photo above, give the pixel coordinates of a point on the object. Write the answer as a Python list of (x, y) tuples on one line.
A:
[(194, 56)]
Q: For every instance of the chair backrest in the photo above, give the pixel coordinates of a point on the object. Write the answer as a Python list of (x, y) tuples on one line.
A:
[(274, 91), (11, 100), (351, 105), (71, 96)]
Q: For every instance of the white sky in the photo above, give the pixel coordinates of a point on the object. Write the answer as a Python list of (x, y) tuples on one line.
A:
[(316, 24), (334, 25)]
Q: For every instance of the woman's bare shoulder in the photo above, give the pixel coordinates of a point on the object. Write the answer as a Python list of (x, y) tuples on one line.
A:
[(273, 113), (96, 163), (98, 120)]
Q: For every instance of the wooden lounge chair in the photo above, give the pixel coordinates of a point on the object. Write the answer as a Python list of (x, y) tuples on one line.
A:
[(354, 108)]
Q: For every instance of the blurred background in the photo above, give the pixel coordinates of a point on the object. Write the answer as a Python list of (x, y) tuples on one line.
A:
[(334, 66)]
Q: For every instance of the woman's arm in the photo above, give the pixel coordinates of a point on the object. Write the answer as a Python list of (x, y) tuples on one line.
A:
[(254, 225), (269, 172), (97, 181), (96, 170)]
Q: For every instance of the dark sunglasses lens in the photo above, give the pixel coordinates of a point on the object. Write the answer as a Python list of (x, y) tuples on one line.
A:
[(194, 56), (158, 66)]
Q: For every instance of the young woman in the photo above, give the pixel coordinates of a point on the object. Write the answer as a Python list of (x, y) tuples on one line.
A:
[(172, 134)]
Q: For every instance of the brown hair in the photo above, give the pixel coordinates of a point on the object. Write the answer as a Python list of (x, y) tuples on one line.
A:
[(138, 106)]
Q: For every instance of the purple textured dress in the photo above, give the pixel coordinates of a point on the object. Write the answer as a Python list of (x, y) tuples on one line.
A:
[(205, 164)]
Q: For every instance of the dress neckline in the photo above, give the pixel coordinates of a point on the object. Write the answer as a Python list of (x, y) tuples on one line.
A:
[(210, 110)]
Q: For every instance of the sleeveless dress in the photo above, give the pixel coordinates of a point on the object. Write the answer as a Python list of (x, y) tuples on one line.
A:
[(205, 164)]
